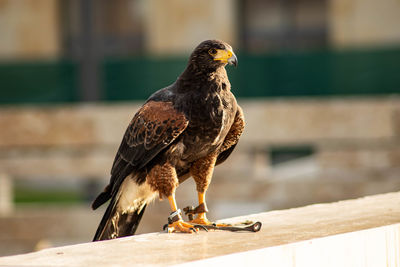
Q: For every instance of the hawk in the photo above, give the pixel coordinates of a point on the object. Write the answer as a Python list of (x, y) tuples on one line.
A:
[(182, 130)]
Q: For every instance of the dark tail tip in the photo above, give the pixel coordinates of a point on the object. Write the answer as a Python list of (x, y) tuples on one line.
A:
[(102, 198), (118, 226)]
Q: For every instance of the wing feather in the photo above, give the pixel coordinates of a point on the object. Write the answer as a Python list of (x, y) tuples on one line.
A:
[(232, 138), (153, 128)]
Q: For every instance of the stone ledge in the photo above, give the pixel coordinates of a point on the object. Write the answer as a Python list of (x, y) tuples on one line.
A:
[(372, 247), (277, 240)]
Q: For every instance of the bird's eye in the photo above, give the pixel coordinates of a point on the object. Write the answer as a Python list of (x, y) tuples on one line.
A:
[(212, 52)]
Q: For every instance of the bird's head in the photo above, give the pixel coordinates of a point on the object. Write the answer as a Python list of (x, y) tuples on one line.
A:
[(212, 54)]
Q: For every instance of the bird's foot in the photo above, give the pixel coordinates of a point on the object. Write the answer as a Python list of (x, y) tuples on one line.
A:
[(201, 218), (202, 221), (182, 227), (176, 224)]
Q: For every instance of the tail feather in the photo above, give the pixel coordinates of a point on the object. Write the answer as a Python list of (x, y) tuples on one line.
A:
[(125, 210), (102, 198), (118, 224)]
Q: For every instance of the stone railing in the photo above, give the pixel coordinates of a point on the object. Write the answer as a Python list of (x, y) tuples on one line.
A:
[(360, 232)]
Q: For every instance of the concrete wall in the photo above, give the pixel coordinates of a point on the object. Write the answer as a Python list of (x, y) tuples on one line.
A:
[(355, 143), (32, 29), (364, 22), (29, 29), (179, 25)]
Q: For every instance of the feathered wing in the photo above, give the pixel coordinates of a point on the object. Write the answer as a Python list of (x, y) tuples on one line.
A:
[(232, 138), (153, 128)]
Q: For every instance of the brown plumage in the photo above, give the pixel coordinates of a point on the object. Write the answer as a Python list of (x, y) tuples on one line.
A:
[(182, 130)]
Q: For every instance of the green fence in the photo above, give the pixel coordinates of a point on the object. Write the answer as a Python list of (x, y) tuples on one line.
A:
[(323, 73), (38, 82)]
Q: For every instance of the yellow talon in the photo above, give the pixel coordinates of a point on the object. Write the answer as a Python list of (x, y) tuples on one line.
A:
[(202, 220), (207, 222), (182, 227), (179, 225)]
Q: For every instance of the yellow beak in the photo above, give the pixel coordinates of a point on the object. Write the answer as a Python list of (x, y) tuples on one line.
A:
[(226, 56)]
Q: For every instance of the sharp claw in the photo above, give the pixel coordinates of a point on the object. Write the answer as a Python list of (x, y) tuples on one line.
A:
[(165, 227), (205, 229), (201, 226)]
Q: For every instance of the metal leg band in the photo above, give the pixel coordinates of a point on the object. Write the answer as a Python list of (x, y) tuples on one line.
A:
[(175, 216)]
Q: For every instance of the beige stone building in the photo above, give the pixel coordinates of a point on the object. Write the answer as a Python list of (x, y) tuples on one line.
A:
[(296, 150), (49, 28)]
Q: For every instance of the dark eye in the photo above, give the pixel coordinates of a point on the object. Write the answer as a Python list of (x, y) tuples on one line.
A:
[(212, 52)]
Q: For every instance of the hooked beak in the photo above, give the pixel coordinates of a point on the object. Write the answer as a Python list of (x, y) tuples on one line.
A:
[(226, 56), (233, 60)]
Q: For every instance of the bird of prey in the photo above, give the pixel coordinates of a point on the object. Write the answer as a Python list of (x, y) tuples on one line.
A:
[(182, 130)]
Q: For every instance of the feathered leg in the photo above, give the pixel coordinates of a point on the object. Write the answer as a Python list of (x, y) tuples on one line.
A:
[(202, 171), (164, 180)]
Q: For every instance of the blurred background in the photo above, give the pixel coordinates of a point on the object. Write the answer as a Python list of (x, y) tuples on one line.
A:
[(318, 81)]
